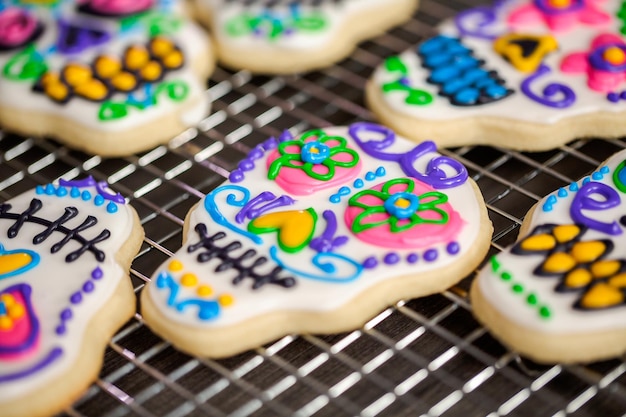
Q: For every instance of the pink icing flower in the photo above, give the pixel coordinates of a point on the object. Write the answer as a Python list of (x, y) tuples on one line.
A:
[(559, 15), (402, 213), (16, 27), (604, 63), (119, 7), (313, 162)]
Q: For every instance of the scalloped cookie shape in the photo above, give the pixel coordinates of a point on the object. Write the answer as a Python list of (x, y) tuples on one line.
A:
[(65, 251), (559, 294), (287, 36), (110, 78), (317, 234), (526, 75)]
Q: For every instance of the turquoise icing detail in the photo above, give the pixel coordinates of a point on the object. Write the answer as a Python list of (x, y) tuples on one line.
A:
[(211, 207), (207, 309), (322, 261), (35, 258)]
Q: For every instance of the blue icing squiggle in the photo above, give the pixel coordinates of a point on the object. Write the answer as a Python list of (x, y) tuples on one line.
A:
[(322, 261)]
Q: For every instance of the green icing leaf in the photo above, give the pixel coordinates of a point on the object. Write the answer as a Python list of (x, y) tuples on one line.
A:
[(25, 65), (110, 110)]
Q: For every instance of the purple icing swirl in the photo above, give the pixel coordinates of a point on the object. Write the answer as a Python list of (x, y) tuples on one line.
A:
[(550, 91)]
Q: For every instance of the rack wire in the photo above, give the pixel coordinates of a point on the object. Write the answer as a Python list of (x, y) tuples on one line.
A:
[(426, 357)]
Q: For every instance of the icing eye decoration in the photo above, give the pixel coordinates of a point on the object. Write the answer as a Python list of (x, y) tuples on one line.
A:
[(619, 177), (16, 262), (17, 28), (19, 326), (558, 15), (525, 52), (402, 213), (604, 63), (115, 8), (313, 162)]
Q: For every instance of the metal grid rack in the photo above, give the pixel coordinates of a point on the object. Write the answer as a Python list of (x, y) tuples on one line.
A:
[(419, 357)]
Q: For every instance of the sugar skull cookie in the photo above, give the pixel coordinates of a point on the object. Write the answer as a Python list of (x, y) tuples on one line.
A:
[(65, 250), (288, 36), (104, 76), (317, 233), (527, 75), (559, 294)]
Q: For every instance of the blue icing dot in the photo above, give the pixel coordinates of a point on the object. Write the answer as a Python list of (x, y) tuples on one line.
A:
[(597, 176), (380, 171), (562, 192), (335, 198), (344, 191), (98, 200), (467, 95), (370, 176), (61, 191), (39, 189), (358, 183), (74, 192), (111, 207), (586, 180), (50, 190), (604, 170), (85, 195), (573, 187), (210, 309), (547, 207)]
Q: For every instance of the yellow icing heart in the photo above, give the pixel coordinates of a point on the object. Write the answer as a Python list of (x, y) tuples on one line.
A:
[(295, 228)]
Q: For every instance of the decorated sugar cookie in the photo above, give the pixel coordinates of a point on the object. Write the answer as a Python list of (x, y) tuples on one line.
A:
[(107, 77), (559, 294), (528, 75), (288, 36), (317, 233), (65, 250)]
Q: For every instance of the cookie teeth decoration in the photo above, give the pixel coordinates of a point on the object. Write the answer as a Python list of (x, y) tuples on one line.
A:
[(559, 294), (527, 75), (288, 36), (64, 290), (317, 234), (107, 77)]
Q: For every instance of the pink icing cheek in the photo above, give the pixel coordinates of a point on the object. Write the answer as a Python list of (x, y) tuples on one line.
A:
[(297, 182), (418, 237), (22, 337), (120, 7), (16, 27), (605, 81)]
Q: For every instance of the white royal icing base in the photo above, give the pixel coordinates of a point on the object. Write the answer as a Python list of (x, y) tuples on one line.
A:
[(517, 106), (53, 281), (564, 319), (308, 295)]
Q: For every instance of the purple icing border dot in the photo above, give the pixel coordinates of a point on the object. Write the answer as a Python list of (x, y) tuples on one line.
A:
[(66, 314), (453, 248), (76, 298), (88, 286), (97, 273), (391, 258), (431, 255), (370, 263), (60, 330), (412, 258)]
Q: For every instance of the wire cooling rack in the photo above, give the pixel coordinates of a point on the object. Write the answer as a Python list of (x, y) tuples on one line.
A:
[(419, 357)]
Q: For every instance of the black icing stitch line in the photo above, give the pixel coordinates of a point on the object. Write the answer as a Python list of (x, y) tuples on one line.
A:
[(227, 262), (56, 226)]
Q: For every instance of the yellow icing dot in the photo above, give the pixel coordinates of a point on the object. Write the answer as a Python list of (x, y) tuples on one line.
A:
[(189, 280), (226, 300), (7, 300), (161, 47), (601, 296), (173, 60), (559, 262), (565, 233), (16, 311), (618, 281), (175, 266), (603, 269), (92, 90), (5, 323), (538, 243), (13, 261), (76, 74), (107, 67), (614, 55), (151, 71), (204, 291), (578, 278), (560, 4), (136, 57), (124, 81), (402, 203), (56, 90), (585, 252)]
